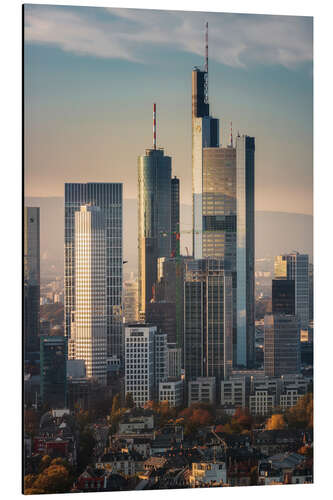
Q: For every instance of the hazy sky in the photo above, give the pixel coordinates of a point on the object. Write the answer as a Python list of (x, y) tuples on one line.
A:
[(92, 75)]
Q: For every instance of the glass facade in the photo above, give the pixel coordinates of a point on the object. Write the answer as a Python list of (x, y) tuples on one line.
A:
[(244, 348), (90, 328), (53, 371), (283, 296), (31, 279), (109, 198), (174, 214), (208, 319), (282, 345), (295, 266), (154, 219)]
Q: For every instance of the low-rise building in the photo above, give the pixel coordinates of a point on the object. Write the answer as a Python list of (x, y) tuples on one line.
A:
[(171, 390), (235, 391), (204, 473), (202, 390)]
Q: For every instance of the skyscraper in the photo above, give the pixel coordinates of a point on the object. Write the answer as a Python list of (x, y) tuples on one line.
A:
[(89, 319), (283, 296), (109, 198), (31, 279), (174, 214), (130, 302), (208, 319), (245, 150), (154, 217), (205, 134), (53, 371), (145, 362), (282, 345), (223, 209), (295, 266)]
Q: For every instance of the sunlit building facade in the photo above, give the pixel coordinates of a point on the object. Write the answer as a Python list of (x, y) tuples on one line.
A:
[(109, 198), (89, 331)]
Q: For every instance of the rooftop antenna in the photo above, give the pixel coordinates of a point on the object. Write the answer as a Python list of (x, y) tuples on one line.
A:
[(154, 126), (206, 64), (231, 139)]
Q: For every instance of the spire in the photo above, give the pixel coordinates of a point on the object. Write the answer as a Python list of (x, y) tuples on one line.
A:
[(154, 126), (206, 64)]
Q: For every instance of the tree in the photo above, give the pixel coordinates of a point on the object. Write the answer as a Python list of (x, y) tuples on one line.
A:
[(300, 416), (115, 403), (54, 479), (29, 480), (87, 444), (129, 401), (276, 422), (44, 463)]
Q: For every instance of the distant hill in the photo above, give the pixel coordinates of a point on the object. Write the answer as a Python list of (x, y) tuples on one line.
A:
[(276, 232)]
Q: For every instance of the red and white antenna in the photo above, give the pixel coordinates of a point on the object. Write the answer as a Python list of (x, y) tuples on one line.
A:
[(231, 139), (154, 126), (206, 64)]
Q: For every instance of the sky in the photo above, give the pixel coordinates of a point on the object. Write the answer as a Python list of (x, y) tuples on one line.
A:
[(92, 75)]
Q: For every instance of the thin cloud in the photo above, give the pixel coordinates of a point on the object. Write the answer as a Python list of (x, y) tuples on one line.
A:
[(236, 40)]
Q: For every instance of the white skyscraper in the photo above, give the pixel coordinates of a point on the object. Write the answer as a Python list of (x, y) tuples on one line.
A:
[(89, 322)]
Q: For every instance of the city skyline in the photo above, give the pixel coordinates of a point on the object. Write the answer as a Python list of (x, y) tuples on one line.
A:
[(261, 84)]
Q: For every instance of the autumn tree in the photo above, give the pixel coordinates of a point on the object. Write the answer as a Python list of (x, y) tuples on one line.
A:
[(276, 422), (54, 479), (300, 416)]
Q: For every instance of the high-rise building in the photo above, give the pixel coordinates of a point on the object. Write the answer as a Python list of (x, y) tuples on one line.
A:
[(145, 362), (295, 266), (109, 198), (53, 371), (31, 279), (223, 210), (283, 296), (154, 217), (174, 214), (130, 302), (245, 342), (89, 318), (282, 354), (208, 319), (163, 315)]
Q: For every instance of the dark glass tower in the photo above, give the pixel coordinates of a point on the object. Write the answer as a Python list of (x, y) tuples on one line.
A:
[(208, 319), (174, 214), (31, 280), (154, 218), (53, 371), (282, 345), (283, 296), (109, 198)]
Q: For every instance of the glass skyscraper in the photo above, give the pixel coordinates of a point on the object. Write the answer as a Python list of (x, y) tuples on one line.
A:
[(154, 219), (53, 371), (295, 266), (89, 327), (109, 198), (208, 319), (174, 214), (245, 344), (31, 279)]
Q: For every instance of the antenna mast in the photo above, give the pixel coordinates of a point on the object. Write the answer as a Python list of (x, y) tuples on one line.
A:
[(231, 139), (154, 126), (206, 64)]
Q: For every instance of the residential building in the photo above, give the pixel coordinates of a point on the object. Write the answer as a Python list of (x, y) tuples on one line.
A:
[(282, 345), (53, 378), (31, 305), (202, 390), (208, 319), (90, 314), (145, 361), (208, 473), (235, 392), (109, 198)]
